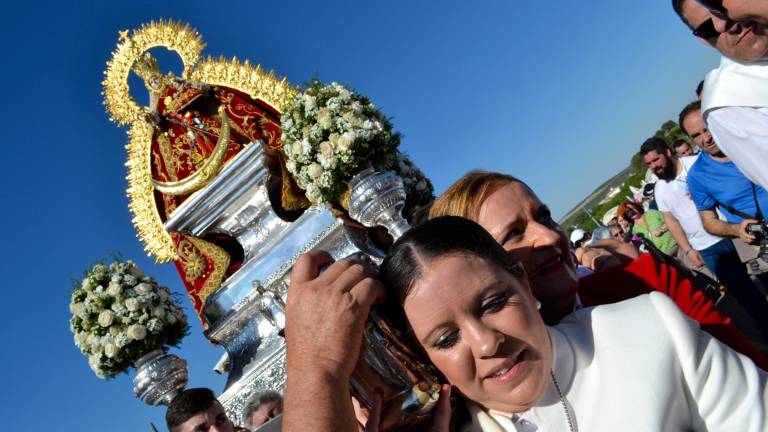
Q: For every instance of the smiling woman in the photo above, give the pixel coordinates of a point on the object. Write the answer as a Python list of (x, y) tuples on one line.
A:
[(469, 307)]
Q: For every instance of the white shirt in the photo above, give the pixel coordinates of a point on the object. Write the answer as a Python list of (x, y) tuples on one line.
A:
[(673, 197), (742, 134), (735, 108)]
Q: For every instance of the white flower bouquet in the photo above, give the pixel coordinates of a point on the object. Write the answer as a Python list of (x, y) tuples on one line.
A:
[(329, 134), (119, 314)]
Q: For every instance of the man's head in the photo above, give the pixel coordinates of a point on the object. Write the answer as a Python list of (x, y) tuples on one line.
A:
[(682, 148), (658, 158), (196, 410), (747, 43), (742, 11), (692, 124), (262, 407)]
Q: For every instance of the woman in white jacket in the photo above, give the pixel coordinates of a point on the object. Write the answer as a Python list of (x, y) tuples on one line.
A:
[(639, 365)]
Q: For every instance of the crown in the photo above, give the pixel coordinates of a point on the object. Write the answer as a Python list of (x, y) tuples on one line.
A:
[(146, 67)]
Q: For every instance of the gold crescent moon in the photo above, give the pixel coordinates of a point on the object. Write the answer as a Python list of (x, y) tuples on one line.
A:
[(182, 39), (205, 173)]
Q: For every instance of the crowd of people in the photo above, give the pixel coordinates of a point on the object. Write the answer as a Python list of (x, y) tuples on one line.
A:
[(534, 331)]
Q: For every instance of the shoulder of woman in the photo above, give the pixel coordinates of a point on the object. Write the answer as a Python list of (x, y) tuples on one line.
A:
[(645, 317)]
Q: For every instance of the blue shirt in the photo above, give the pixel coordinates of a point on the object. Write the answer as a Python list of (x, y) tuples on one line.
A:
[(711, 182)]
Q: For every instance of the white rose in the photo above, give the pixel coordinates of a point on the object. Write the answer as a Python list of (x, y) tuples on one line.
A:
[(75, 308), (367, 124), (143, 288), (81, 339), (324, 119), (345, 141), (115, 330), (137, 332), (106, 318), (114, 289), (132, 304), (110, 350), (326, 149), (93, 362), (344, 93), (309, 101), (159, 311), (314, 170)]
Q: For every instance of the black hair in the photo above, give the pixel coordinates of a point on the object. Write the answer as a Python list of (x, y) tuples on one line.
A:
[(188, 404), (654, 143), (446, 235), (677, 5), (441, 236), (699, 88), (691, 107), (679, 143)]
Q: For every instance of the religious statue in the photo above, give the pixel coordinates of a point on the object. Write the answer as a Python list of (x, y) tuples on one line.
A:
[(193, 125)]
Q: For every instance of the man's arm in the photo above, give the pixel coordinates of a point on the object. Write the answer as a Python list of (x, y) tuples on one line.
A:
[(682, 240), (715, 226), (321, 353)]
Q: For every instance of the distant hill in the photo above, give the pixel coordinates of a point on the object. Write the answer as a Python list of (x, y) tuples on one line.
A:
[(591, 201)]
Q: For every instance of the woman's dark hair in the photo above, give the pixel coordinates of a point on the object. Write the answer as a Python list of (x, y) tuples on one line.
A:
[(446, 235)]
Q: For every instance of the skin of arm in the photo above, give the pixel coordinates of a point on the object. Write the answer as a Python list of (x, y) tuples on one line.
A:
[(321, 353), (721, 228), (679, 235)]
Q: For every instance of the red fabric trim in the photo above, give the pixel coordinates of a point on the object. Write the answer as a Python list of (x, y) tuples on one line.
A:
[(645, 275)]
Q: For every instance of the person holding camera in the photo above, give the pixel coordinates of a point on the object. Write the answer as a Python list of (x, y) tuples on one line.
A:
[(715, 182)]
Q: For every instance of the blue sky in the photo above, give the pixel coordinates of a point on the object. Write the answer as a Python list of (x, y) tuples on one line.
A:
[(558, 93)]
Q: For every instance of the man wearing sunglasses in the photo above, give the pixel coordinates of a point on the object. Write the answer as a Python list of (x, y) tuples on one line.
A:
[(735, 98)]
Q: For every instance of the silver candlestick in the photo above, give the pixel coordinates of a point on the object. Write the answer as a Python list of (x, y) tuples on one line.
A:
[(159, 377), (377, 199)]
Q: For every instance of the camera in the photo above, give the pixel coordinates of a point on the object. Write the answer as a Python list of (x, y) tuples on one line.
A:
[(760, 231)]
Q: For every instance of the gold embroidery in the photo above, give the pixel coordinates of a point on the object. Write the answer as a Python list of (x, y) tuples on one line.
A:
[(164, 145), (221, 260), (193, 263)]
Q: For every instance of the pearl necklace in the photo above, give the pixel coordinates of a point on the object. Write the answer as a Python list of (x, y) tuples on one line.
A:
[(562, 401)]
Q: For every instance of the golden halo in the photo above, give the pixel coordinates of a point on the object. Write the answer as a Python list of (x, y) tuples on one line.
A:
[(182, 39)]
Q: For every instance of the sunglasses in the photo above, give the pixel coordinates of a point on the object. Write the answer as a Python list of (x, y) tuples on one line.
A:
[(706, 30)]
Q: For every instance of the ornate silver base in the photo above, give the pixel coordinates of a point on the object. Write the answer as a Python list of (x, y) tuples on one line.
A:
[(159, 377)]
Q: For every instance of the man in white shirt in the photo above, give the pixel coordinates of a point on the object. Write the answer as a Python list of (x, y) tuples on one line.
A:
[(735, 98), (683, 221)]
